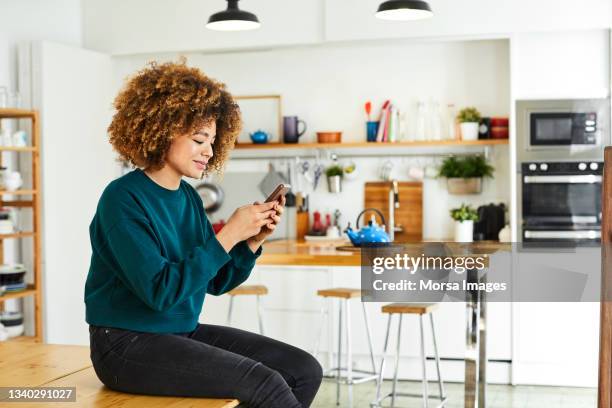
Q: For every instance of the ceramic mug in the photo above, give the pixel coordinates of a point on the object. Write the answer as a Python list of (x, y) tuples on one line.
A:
[(290, 129)]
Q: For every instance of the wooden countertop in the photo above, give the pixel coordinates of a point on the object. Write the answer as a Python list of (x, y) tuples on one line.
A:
[(296, 253)]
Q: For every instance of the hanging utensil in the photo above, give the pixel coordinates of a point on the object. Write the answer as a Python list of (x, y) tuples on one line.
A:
[(270, 181), (212, 196)]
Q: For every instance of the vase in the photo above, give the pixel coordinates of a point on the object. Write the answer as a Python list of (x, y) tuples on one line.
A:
[(469, 131), (464, 231), (459, 185), (334, 184)]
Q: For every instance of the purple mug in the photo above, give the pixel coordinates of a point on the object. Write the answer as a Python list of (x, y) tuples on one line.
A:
[(290, 129)]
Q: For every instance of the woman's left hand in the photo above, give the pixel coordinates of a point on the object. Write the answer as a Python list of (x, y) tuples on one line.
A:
[(269, 228)]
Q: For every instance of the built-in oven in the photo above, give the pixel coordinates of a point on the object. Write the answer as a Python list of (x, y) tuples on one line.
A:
[(561, 201), (570, 129)]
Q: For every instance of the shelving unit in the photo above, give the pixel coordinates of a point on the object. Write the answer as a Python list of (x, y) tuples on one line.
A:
[(365, 149), (33, 289), (372, 145)]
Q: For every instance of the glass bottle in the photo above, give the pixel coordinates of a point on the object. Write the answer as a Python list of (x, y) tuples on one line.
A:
[(421, 121)]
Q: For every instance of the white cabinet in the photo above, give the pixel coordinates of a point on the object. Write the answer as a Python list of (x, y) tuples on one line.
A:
[(122, 27), (292, 315), (561, 65), (558, 343), (355, 19)]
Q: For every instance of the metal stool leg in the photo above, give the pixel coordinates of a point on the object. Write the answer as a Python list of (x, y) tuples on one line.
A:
[(260, 316), (382, 363), (330, 336), (397, 358), (324, 317), (423, 364), (339, 351), (229, 312), (349, 355), (435, 344), (367, 325)]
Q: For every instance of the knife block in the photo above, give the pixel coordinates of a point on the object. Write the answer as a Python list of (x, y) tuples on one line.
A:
[(301, 225)]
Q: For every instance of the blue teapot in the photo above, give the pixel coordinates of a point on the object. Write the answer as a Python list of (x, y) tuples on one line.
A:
[(372, 234), (259, 137)]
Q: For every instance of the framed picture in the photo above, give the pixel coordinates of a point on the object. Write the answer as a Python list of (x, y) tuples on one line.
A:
[(260, 112)]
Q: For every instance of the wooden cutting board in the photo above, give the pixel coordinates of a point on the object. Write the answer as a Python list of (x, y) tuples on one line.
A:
[(409, 215)]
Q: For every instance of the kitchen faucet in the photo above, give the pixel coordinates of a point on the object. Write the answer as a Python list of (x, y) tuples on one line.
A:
[(393, 205)]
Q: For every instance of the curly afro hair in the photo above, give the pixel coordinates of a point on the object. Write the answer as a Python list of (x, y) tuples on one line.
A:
[(163, 101)]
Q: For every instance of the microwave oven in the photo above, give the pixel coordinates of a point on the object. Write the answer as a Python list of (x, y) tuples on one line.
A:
[(562, 129)]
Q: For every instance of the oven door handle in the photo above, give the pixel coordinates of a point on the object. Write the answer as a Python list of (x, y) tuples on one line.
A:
[(582, 179), (585, 234)]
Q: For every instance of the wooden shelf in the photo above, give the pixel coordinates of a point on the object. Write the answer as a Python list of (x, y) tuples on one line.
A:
[(14, 113), (369, 145), (33, 290), (28, 291), (18, 149), (18, 192), (17, 235)]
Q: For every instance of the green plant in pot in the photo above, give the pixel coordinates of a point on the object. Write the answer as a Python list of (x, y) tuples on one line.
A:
[(464, 174), (469, 119), (464, 217), (334, 175)]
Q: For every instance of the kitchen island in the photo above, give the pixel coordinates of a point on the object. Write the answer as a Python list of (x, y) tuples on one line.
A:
[(293, 271)]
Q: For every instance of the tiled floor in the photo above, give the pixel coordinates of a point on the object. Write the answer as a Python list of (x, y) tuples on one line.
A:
[(498, 396)]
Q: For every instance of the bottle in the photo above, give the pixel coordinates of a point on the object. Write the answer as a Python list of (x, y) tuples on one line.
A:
[(421, 121), (317, 226), (435, 119), (451, 122)]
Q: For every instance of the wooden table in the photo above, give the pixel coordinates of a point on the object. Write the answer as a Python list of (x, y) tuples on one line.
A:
[(53, 365), (294, 253)]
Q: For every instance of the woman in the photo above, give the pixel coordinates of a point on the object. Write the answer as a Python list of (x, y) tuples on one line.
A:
[(155, 255)]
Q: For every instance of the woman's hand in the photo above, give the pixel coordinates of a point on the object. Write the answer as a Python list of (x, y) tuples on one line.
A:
[(266, 230), (246, 222)]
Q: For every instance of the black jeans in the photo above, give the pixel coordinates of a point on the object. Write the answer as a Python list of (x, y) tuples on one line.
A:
[(211, 361)]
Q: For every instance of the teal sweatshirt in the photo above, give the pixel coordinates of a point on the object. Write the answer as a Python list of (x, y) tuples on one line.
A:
[(155, 256)]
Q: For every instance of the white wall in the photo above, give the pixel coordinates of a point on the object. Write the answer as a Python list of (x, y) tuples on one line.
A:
[(328, 85), (73, 94), (31, 20)]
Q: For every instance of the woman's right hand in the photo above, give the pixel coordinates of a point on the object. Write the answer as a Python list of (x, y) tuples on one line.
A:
[(244, 223)]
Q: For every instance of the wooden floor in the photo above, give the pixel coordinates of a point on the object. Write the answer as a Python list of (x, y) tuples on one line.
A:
[(24, 364)]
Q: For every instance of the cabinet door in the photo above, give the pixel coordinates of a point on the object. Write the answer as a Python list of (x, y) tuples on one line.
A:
[(356, 20), (73, 91)]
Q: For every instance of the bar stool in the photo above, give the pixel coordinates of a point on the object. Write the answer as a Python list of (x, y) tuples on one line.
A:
[(344, 295), (401, 309), (245, 290)]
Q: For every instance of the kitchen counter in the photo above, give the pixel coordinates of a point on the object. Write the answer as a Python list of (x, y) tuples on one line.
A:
[(295, 253), (299, 253)]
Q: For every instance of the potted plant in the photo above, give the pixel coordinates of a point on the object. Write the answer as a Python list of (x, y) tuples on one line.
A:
[(464, 174), (464, 217), (470, 120), (334, 175)]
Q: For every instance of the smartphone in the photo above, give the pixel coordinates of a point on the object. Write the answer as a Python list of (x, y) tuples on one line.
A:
[(278, 192)]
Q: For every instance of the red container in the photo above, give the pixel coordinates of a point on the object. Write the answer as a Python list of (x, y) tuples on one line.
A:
[(499, 132), (499, 122)]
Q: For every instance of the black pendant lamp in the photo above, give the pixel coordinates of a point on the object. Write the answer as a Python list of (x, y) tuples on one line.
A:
[(233, 19), (404, 10)]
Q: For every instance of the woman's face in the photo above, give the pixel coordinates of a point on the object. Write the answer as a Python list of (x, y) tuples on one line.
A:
[(188, 154)]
